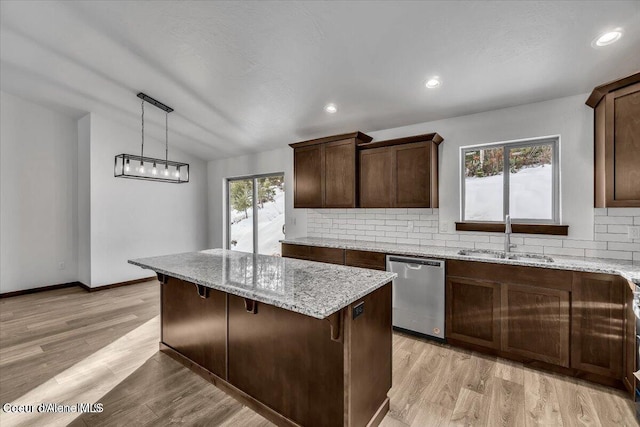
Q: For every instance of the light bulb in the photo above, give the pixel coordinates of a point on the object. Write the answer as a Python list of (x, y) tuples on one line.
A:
[(127, 168), (432, 83), (166, 171), (154, 170), (177, 173), (141, 168)]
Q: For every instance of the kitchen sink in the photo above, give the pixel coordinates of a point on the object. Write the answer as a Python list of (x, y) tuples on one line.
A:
[(530, 257), (482, 253)]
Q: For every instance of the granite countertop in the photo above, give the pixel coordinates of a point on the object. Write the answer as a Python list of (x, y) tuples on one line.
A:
[(627, 269), (311, 288)]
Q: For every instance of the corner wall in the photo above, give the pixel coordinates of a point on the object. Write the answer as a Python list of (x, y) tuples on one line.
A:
[(132, 218), (38, 196)]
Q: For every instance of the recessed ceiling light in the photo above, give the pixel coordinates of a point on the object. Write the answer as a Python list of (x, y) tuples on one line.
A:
[(607, 38), (330, 108), (433, 82)]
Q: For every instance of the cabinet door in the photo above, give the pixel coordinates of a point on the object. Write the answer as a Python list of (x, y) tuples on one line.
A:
[(340, 174), (622, 134), (288, 361), (195, 326), (535, 323), (308, 176), (597, 324), (473, 311), (376, 187), (630, 347), (412, 184)]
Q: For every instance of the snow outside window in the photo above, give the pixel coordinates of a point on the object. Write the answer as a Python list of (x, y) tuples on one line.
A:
[(520, 179), (255, 220)]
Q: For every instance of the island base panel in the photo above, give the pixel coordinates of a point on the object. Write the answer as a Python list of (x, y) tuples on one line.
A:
[(194, 325), (291, 368)]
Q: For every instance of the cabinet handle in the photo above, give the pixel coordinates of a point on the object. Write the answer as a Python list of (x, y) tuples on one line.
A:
[(251, 306)]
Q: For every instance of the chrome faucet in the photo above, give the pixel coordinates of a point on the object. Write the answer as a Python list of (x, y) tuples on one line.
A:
[(507, 235)]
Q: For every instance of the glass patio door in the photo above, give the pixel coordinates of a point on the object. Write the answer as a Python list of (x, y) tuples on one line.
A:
[(256, 213)]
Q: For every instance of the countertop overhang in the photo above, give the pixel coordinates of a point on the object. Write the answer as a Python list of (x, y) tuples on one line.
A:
[(627, 269), (311, 288)]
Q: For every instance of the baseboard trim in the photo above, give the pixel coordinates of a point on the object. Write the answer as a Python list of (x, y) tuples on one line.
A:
[(72, 284), (35, 290), (116, 285)]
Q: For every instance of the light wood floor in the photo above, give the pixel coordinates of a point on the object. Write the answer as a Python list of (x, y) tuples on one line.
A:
[(68, 346)]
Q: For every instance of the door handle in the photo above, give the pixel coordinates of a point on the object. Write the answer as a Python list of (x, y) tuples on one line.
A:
[(414, 266)]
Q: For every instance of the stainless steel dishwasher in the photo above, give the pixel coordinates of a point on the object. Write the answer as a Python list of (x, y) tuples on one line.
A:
[(418, 295)]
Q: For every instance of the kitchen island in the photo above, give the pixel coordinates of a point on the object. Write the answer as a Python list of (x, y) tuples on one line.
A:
[(300, 342)]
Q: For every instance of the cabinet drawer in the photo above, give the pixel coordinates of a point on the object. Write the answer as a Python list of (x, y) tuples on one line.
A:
[(533, 276), (330, 255), (295, 251), (365, 259)]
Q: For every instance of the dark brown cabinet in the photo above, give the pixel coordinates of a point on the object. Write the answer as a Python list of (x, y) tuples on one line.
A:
[(598, 323), (256, 343), (630, 346), (313, 253), (365, 259), (325, 171), (473, 311), (617, 142), (400, 173), (535, 323), (520, 312), (195, 326)]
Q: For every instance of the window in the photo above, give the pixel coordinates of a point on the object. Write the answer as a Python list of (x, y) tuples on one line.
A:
[(255, 213), (526, 186)]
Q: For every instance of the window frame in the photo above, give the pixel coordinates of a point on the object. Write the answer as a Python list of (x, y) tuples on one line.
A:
[(227, 218), (507, 146)]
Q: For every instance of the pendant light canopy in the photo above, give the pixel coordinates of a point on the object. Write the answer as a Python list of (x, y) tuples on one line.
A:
[(147, 168)]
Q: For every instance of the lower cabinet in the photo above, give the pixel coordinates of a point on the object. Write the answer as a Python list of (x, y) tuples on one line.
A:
[(195, 326), (535, 323), (598, 324), (573, 320), (473, 311), (352, 258)]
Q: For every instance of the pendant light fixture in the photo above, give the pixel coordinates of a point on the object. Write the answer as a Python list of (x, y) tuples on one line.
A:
[(147, 168)]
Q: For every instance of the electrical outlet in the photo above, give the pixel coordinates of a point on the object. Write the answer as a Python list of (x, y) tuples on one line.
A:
[(61, 265), (634, 232), (444, 227)]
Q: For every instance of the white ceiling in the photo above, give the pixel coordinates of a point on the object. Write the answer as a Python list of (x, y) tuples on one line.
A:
[(250, 76)]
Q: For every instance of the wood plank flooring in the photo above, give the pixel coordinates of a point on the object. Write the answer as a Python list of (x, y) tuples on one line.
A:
[(68, 345)]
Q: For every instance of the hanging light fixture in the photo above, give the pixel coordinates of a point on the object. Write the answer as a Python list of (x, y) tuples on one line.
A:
[(147, 168)]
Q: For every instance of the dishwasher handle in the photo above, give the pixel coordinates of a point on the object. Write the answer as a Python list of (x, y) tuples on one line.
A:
[(412, 262)]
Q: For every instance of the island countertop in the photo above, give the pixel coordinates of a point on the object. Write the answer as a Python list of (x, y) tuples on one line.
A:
[(311, 288)]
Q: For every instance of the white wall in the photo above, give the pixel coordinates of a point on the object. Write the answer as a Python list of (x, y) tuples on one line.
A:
[(274, 161), (134, 218), (38, 196), (568, 117), (84, 199)]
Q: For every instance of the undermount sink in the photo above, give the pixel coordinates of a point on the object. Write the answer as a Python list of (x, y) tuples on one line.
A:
[(530, 257), (482, 253)]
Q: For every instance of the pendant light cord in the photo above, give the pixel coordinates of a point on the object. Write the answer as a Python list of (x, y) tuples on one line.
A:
[(166, 139), (142, 147)]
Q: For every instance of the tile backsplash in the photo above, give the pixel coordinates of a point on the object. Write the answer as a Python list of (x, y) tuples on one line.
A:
[(421, 227)]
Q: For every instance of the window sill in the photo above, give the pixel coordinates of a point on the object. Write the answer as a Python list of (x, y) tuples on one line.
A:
[(498, 227)]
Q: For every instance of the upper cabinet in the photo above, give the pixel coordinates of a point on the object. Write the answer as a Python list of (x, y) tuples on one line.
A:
[(400, 173), (324, 171), (617, 142)]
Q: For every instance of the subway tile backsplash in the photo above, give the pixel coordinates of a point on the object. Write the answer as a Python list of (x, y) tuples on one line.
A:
[(421, 227)]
